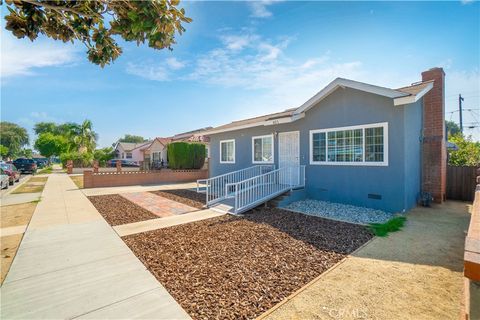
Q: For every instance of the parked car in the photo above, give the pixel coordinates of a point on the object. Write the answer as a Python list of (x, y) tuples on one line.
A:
[(125, 163), (25, 165), (41, 162), (11, 171), (4, 179)]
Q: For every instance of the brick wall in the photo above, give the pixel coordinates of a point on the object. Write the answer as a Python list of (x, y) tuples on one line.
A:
[(434, 153), (129, 178)]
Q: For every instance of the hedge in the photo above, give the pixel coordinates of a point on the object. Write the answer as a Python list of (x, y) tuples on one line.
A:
[(184, 155)]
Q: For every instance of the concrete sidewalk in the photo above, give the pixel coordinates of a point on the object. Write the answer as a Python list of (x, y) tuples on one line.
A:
[(72, 264)]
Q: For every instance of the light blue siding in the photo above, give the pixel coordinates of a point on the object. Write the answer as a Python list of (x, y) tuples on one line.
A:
[(398, 184)]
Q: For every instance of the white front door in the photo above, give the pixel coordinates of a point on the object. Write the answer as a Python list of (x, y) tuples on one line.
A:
[(289, 155)]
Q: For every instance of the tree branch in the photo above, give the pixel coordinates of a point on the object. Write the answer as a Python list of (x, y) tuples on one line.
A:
[(60, 8)]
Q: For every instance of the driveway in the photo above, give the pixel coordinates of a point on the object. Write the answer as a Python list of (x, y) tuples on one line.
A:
[(416, 273)]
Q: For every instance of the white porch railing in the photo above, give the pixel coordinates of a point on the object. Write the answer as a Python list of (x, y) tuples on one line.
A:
[(251, 192), (215, 187)]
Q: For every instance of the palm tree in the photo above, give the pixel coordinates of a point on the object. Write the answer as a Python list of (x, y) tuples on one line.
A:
[(86, 138)]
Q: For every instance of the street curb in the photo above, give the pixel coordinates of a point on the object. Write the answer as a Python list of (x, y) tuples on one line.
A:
[(10, 190)]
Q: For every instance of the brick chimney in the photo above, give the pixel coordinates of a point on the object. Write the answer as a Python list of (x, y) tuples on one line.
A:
[(434, 153)]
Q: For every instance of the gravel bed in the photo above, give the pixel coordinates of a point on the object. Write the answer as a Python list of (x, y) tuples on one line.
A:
[(185, 196), (117, 210), (239, 267), (340, 211)]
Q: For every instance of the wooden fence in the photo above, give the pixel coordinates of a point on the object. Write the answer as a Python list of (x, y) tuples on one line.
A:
[(461, 182)]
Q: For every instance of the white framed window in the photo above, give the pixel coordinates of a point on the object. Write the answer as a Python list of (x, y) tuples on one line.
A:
[(129, 155), (227, 151), (355, 145), (263, 149)]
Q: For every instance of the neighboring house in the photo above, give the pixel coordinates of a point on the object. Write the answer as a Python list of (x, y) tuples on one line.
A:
[(155, 152), (130, 151), (195, 136), (361, 144)]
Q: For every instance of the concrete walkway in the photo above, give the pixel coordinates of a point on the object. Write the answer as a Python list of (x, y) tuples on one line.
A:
[(72, 264), (154, 224), (416, 273)]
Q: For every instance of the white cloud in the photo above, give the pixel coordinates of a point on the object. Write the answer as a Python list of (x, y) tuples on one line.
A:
[(467, 1), (259, 8), (35, 117), (22, 57), (175, 64), (238, 42), (157, 73)]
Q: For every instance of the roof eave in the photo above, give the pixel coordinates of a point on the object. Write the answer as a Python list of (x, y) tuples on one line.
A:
[(346, 83), (412, 98), (264, 123)]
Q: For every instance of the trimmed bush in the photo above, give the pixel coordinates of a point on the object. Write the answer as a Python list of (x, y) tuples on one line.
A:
[(184, 155)]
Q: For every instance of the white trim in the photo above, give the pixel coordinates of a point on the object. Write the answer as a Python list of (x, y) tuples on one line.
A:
[(273, 149), (412, 98), (346, 83), (384, 163), (225, 141)]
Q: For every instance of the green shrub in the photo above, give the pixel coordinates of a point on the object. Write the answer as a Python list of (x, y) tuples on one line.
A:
[(103, 155), (80, 160), (183, 155), (392, 225)]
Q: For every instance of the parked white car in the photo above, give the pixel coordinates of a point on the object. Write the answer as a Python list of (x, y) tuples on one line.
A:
[(4, 180)]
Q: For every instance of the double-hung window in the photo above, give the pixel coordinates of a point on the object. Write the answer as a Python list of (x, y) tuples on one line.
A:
[(227, 151), (355, 145), (262, 149)]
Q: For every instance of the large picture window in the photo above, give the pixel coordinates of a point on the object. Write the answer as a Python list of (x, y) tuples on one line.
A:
[(262, 149), (227, 151), (356, 145)]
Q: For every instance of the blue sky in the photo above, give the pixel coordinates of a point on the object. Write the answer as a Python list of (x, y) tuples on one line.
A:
[(241, 59)]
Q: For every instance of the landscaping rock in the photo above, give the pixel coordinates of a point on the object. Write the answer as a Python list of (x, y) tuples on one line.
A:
[(340, 211), (239, 267)]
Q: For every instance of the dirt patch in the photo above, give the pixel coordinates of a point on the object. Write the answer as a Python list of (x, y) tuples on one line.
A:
[(185, 196), (78, 180), (33, 185), (38, 179), (239, 267), (117, 210), (9, 246), (416, 273), (18, 214)]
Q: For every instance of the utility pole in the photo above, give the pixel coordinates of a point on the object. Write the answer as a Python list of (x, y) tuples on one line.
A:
[(460, 99)]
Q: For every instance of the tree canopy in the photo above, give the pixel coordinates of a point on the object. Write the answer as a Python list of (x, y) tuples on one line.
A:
[(73, 136), (468, 153), (49, 144), (96, 22), (13, 137), (452, 128), (132, 138)]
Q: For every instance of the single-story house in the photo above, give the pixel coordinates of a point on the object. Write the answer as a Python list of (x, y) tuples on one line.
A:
[(130, 151), (361, 144), (155, 153)]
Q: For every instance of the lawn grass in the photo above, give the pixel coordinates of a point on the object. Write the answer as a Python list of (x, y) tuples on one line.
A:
[(392, 225), (78, 180), (38, 179), (33, 185), (45, 170)]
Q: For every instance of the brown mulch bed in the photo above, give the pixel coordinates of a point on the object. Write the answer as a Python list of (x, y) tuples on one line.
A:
[(239, 267), (117, 210), (185, 196)]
